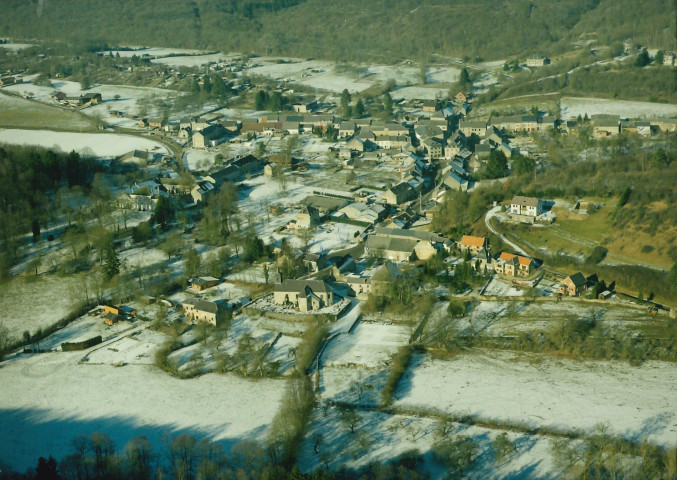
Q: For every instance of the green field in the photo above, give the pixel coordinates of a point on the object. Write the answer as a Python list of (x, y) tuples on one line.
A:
[(20, 113)]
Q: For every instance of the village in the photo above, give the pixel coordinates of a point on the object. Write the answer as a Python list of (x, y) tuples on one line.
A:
[(238, 246)]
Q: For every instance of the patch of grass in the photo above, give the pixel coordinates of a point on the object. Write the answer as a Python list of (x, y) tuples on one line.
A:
[(20, 113)]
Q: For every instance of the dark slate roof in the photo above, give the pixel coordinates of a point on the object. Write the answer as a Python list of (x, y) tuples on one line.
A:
[(204, 305), (578, 279), (300, 286)]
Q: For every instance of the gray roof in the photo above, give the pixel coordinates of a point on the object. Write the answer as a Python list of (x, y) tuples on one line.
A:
[(203, 305), (524, 201), (578, 279), (409, 234), (390, 244), (299, 286)]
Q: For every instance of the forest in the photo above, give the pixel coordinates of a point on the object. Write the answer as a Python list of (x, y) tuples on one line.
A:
[(379, 30)]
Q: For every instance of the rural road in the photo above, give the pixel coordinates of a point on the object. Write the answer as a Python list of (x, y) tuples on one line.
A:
[(487, 220)]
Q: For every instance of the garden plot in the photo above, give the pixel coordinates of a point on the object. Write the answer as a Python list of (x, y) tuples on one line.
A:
[(105, 145), (538, 391), (380, 437), (53, 399), (572, 107), (370, 345), (136, 348), (501, 287), (33, 303)]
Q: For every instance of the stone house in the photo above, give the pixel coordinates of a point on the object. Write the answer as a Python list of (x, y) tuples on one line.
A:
[(306, 295), (205, 311)]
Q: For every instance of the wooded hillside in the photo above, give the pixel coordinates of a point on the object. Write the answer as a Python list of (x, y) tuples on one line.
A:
[(381, 30)]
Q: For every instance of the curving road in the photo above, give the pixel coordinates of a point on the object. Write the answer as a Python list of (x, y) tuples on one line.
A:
[(492, 213)]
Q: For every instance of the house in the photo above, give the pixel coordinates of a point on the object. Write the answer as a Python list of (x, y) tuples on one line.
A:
[(314, 262), (669, 58), (573, 285), (513, 265), (138, 157), (462, 97), (434, 146), (529, 206), (203, 283), (304, 107), (5, 81), (431, 105), (398, 194), (60, 96), (346, 129), (473, 244), (391, 248), (209, 137), (424, 244), (392, 141), (537, 61), (359, 144), (306, 295), (516, 123), (360, 286), (205, 311), (202, 191), (362, 212), (308, 217), (451, 180), (91, 98), (468, 127), (606, 125)]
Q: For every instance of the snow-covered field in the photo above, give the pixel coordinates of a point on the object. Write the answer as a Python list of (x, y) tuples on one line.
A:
[(126, 101), (53, 398), (571, 107), (380, 438), (15, 47), (198, 159), (29, 304), (422, 93), (98, 144), (141, 257), (636, 402), (370, 345), (190, 60), (443, 75), (154, 52)]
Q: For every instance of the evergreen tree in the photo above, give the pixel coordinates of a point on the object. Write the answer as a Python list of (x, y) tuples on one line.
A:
[(111, 263), (163, 211), (346, 110), (359, 108), (464, 81), (47, 469), (658, 59), (388, 104), (261, 100), (642, 59)]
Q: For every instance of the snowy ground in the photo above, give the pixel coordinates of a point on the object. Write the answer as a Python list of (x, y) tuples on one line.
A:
[(29, 304), (53, 399), (15, 47), (141, 257), (105, 145), (199, 159), (571, 107), (382, 438), (191, 60), (636, 402), (370, 345), (126, 101), (502, 287), (154, 52), (422, 93)]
